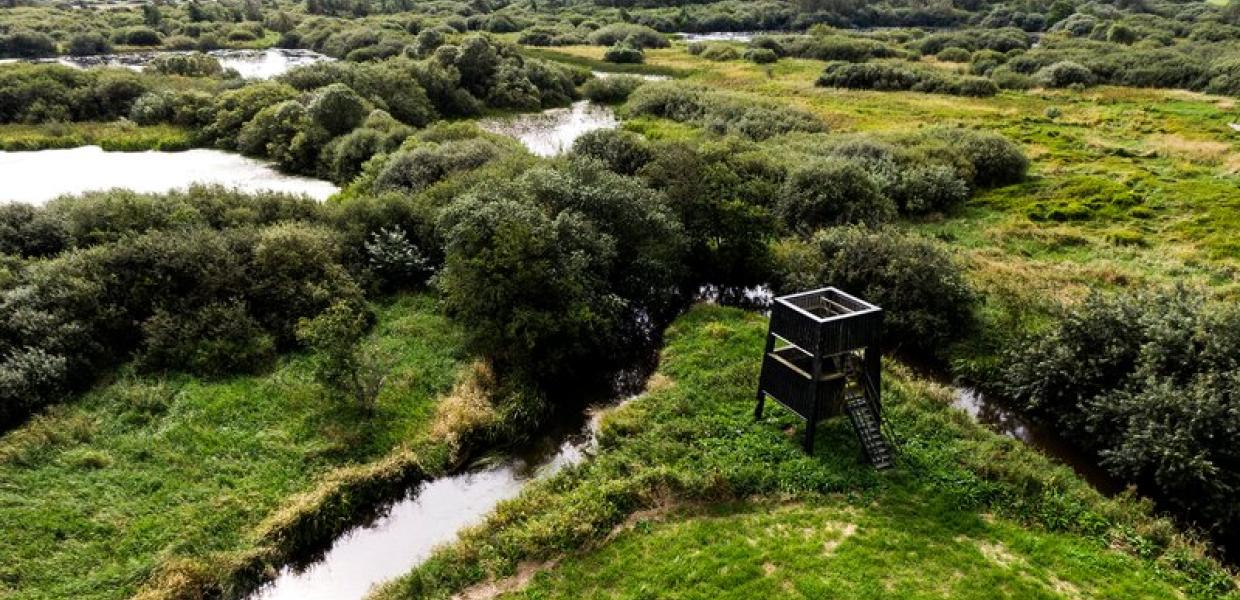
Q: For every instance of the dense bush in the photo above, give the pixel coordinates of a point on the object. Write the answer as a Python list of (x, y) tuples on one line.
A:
[(624, 54), (720, 52), (1150, 381), (637, 36), (414, 169), (891, 77), (188, 65), (40, 93), (85, 44), (926, 301), (1064, 74), (761, 56), (26, 44), (66, 318), (611, 89), (623, 152), (719, 112), (830, 47), (832, 191), (217, 339), (562, 268)]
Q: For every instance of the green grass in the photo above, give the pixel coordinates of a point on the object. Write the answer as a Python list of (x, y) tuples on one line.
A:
[(1145, 180), (688, 497), (908, 547), (115, 135), (97, 494)]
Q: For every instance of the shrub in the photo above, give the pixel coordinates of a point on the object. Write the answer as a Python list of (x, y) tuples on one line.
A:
[(637, 36), (832, 191), (559, 269), (217, 339), (761, 56), (85, 44), (422, 166), (29, 232), (720, 52), (889, 77), (990, 158), (1148, 380), (139, 36), (624, 54), (924, 189), (926, 301), (623, 152), (337, 109), (720, 112), (1064, 74), (26, 44), (956, 55), (343, 362), (611, 89), (187, 65), (30, 378), (395, 260)]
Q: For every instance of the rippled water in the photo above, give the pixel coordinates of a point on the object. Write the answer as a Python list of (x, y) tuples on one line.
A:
[(36, 177), (251, 64), (553, 131)]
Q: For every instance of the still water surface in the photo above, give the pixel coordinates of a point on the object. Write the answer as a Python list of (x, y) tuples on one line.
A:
[(553, 131), (36, 177), (430, 515)]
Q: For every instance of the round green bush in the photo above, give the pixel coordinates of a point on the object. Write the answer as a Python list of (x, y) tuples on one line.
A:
[(954, 54), (720, 52), (611, 89), (621, 54), (1063, 74), (832, 191), (761, 56)]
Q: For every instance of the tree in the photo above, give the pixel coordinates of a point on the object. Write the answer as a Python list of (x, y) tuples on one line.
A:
[(151, 15), (337, 108), (344, 363)]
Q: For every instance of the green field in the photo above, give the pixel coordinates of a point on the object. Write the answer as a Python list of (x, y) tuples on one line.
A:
[(690, 498), (150, 472)]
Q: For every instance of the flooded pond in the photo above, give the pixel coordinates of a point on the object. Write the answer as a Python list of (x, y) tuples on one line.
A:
[(553, 131), (251, 64), (432, 513), (1003, 420), (36, 177)]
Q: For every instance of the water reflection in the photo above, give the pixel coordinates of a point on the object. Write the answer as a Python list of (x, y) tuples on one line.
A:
[(36, 177), (553, 131), (250, 64), (432, 514), (1001, 419)]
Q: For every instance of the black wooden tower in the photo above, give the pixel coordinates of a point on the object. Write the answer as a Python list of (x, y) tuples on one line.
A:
[(822, 360)]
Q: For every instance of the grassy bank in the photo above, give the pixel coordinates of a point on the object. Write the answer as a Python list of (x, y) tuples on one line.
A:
[(688, 497), (184, 477), (115, 135)]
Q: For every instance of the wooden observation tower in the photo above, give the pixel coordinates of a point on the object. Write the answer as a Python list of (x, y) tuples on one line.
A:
[(822, 360)]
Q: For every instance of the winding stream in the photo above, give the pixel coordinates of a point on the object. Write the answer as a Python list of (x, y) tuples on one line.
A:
[(434, 512)]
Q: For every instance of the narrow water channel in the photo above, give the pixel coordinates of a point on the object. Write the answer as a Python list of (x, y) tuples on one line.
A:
[(431, 514), (1003, 420)]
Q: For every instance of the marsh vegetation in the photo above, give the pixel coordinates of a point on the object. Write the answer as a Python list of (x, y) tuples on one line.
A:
[(1042, 197)]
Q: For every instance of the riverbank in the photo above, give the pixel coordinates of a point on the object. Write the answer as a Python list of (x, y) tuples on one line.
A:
[(116, 136), (166, 484), (685, 472)]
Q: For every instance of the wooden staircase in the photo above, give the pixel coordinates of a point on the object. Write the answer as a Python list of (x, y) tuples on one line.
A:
[(869, 427)]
